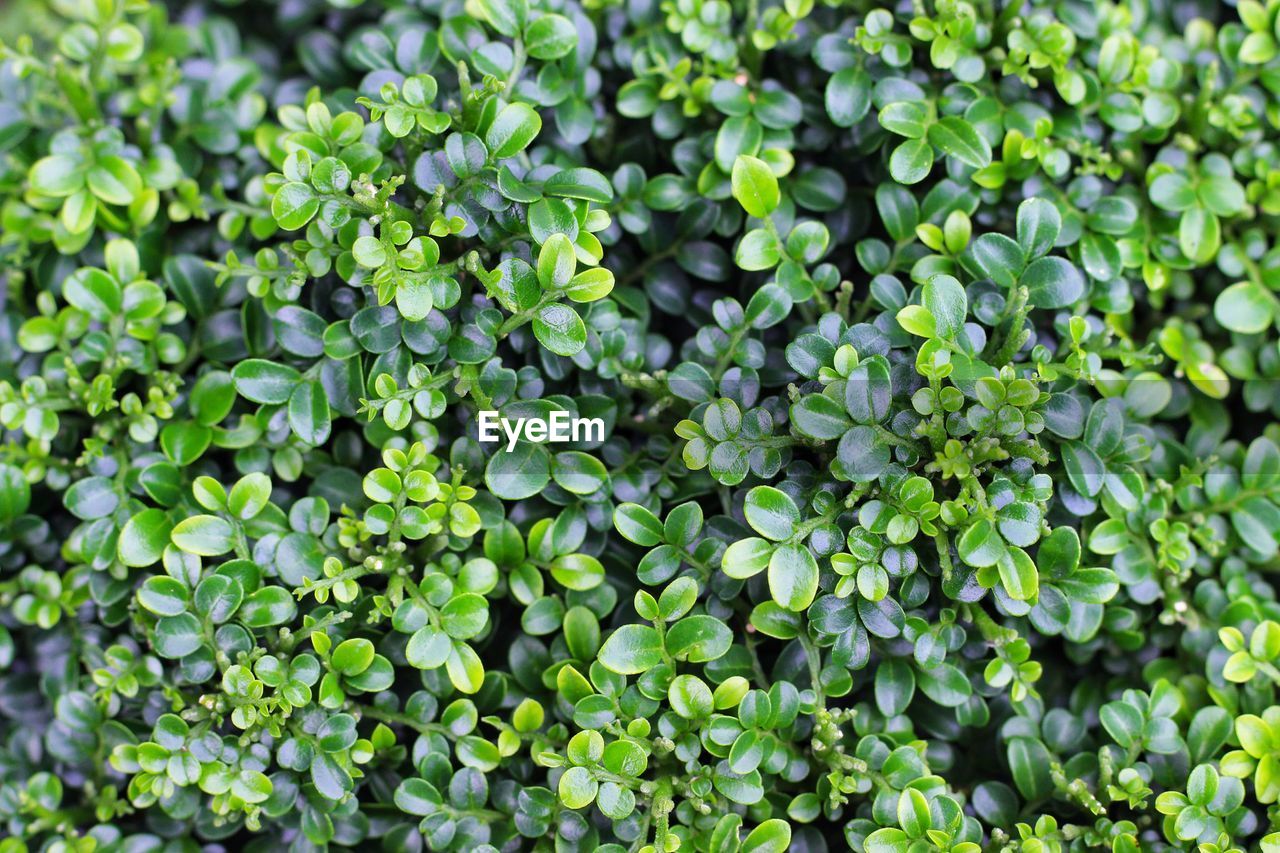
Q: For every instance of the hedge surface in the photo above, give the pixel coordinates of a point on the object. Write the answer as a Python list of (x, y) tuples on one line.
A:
[(934, 345)]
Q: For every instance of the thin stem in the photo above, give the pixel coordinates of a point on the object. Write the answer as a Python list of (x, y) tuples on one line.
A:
[(375, 713), (814, 658), (943, 545)]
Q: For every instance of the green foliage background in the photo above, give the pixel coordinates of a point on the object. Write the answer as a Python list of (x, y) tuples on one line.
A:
[(939, 501)]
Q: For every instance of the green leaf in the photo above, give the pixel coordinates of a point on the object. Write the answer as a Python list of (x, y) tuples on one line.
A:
[(294, 205), (754, 186), (905, 118), (861, 456), (581, 183), (887, 840), (758, 250), (631, 650), (913, 812), (204, 535), (1019, 523), (944, 684), (819, 416), (177, 636), (579, 473), (577, 788), (771, 513), (369, 252), (184, 443), (690, 697), (746, 557), (945, 299), (164, 596), (911, 161), (465, 670), (309, 416), (1257, 521), (1209, 730), (218, 597), (94, 292), (57, 176), (1085, 469), (512, 130), (918, 320), (768, 307), (519, 473), (998, 258), (559, 328), (1123, 722), (1038, 226), (508, 18), (1221, 194), (899, 211), (1018, 574), (417, 797), (771, 836), (590, 285), (352, 657), (577, 572), (1172, 191), (550, 37), (91, 498), (638, 524), (895, 685), (739, 135), (793, 577), (699, 639), (1053, 283), (330, 778), (744, 789), (869, 392), (193, 283), (981, 545), (552, 216), (957, 138), (113, 180), (1258, 49), (1199, 235), (1261, 469), (263, 381), (143, 538), (615, 801), (428, 648), (1029, 762), (1255, 735), (1245, 307), (556, 262), (848, 96), (249, 496)]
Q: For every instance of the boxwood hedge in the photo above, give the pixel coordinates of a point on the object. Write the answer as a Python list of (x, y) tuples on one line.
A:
[(937, 505)]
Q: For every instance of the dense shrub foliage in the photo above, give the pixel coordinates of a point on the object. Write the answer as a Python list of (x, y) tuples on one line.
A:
[(938, 501)]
